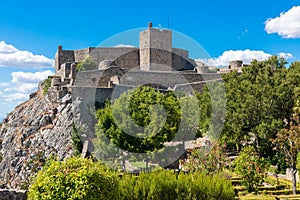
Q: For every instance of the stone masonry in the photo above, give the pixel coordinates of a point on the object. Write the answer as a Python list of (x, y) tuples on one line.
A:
[(155, 63)]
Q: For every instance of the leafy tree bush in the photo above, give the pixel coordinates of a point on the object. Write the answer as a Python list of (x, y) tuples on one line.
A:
[(74, 179), (250, 167), (140, 120), (164, 185)]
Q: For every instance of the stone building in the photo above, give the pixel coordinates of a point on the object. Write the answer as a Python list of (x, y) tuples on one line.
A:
[(155, 63), (233, 65)]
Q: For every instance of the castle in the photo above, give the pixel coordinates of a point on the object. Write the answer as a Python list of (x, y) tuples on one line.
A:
[(155, 63)]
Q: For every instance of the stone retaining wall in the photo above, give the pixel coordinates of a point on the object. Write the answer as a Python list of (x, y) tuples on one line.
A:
[(8, 194)]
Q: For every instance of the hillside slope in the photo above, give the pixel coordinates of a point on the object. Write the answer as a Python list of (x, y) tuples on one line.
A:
[(29, 135)]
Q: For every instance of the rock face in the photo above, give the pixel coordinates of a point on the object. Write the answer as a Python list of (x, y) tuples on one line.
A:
[(35, 130)]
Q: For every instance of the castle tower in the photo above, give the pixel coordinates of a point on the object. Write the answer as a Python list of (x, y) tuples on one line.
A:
[(156, 49)]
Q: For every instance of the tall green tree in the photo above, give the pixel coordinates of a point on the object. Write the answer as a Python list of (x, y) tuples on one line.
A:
[(141, 120), (259, 101)]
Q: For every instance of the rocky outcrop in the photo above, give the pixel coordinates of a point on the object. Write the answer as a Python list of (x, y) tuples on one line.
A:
[(35, 130)]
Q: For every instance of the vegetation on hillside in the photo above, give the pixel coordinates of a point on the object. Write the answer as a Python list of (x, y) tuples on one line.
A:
[(47, 85)]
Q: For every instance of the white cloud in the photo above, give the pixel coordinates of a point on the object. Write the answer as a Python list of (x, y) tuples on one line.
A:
[(15, 97), (27, 77), (3, 84), (245, 55), (7, 48), (19, 88), (286, 25), (26, 88), (12, 57), (124, 45)]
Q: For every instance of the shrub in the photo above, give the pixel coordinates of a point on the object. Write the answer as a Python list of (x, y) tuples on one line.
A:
[(74, 178), (47, 85), (166, 185), (78, 178), (251, 168), (210, 160), (87, 64), (76, 141)]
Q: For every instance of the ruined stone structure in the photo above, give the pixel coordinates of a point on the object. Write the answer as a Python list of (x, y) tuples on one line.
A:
[(155, 63)]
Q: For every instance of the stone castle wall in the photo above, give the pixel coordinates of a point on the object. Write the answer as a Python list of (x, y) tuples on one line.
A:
[(101, 78), (128, 58), (63, 56)]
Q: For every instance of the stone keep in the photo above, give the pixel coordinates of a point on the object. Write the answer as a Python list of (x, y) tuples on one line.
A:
[(156, 50)]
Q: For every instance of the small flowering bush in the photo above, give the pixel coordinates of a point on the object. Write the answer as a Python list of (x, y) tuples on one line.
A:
[(250, 167), (209, 160)]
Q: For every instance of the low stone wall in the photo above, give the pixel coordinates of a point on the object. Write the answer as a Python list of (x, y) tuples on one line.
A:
[(8, 194)]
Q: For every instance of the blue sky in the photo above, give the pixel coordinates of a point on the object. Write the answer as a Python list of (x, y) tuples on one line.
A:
[(30, 32)]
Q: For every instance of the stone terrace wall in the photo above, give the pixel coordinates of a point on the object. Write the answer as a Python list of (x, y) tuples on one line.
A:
[(167, 79), (97, 78), (6, 194), (100, 78)]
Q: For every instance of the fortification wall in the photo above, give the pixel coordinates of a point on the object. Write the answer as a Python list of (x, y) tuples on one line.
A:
[(116, 53), (102, 78), (63, 56), (181, 52), (129, 60), (125, 57), (98, 78), (88, 78), (180, 60), (166, 79), (197, 86), (81, 54)]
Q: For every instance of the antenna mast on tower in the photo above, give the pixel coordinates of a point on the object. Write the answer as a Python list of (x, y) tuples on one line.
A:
[(168, 21)]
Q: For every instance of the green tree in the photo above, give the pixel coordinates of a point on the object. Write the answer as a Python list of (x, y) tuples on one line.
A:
[(250, 167), (259, 101), (293, 79), (140, 120)]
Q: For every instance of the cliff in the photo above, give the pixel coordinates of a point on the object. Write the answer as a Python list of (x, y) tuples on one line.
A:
[(35, 130)]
